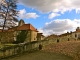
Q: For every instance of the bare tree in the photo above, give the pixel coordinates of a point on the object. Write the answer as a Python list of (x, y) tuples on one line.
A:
[(8, 13)]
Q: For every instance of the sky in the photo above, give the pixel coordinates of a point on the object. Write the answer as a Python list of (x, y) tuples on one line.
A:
[(50, 16)]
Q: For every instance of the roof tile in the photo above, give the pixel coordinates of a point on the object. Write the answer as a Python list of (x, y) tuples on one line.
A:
[(26, 27)]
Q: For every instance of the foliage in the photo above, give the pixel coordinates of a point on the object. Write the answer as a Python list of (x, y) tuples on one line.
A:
[(21, 37), (8, 13)]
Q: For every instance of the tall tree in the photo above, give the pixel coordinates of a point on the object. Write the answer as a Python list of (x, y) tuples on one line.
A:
[(8, 13)]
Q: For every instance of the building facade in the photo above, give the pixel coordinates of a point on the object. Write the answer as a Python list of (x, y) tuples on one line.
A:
[(19, 34)]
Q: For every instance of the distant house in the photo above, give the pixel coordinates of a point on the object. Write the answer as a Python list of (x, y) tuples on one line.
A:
[(40, 37), (72, 35), (69, 36), (76, 34), (25, 32)]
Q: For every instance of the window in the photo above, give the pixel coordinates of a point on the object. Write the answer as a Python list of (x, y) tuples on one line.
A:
[(75, 35)]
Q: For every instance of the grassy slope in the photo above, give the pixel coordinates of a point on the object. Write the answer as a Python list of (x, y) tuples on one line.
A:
[(67, 48)]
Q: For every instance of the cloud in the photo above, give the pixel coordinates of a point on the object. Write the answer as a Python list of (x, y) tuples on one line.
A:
[(52, 15), (24, 14), (45, 32), (60, 26), (47, 6)]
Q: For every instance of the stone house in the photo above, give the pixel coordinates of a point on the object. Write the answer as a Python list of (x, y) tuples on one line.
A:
[(21, 33), (76, 34), (29, 31), (40, 37), (69, 36)]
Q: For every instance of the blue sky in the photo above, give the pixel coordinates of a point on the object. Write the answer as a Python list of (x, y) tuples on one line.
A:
[(51, 16)]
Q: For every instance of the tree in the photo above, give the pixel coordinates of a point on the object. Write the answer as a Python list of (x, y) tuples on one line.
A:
[(21, 37), (8, 13)]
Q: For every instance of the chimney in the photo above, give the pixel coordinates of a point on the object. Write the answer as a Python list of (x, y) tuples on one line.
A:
[(21, 22)]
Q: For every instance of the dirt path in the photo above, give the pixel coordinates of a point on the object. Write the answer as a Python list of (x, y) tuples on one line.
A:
[(41, 55)]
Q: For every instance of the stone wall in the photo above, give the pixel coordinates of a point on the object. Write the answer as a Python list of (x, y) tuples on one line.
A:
[(13, 49), (18, 36), (66, 38), (61, 39), (6, 37)]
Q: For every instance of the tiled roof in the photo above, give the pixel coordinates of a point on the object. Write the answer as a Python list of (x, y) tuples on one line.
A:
[(39, 34), (77, 31), (65, 34), (26, 27), (51, 36), (13, 28), (0, 30), (43, 35)]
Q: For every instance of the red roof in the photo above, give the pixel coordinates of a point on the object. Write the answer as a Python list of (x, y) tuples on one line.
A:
[(77, 31), (26, 27), (23, 27), (0, 30), (51, 36), (65, 34), (13, 28)]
